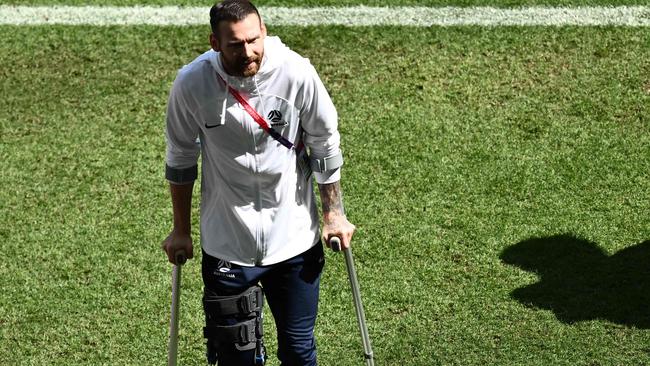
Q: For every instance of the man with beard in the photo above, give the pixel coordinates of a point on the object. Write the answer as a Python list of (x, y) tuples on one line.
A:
[(266, 127)]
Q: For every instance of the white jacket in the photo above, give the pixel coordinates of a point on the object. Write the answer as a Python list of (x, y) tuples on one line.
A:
[(257, 206)]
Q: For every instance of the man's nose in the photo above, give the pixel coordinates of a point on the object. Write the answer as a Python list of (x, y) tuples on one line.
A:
[(248, 50)]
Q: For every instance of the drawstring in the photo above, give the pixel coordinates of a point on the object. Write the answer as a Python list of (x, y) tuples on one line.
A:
[(259, 95), (215, 61), (257, 118), (225, 98), (225, 104), (223, 108)]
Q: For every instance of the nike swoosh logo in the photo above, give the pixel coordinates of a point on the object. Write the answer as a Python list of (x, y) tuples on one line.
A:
[(213, 126)]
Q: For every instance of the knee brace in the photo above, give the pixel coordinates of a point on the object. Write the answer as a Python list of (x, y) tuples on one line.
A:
[(234, 323)]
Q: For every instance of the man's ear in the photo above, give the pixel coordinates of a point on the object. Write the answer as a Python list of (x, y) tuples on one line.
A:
[(263, 26), (214, 42)]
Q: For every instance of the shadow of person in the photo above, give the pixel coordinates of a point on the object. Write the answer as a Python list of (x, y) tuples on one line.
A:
[(579, 281)]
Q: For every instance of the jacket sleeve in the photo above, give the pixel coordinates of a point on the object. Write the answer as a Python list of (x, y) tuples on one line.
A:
[(320, 122), (181, 135)]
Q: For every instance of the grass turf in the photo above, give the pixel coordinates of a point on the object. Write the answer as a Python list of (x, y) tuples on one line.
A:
[(310, 3), (498, 177)]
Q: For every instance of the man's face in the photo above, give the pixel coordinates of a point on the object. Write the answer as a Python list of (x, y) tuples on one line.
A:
[(241, 45)]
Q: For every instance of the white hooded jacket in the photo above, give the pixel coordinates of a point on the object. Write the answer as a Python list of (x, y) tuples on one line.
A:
[(257, 205)]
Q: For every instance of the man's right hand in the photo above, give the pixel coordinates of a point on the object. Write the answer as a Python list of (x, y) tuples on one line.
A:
[(175, 243)]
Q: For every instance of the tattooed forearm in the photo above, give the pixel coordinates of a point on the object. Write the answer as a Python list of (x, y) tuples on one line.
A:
[(330, 196)]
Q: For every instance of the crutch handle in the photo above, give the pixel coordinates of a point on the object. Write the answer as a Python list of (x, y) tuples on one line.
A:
[(335, 243), (180, 257)]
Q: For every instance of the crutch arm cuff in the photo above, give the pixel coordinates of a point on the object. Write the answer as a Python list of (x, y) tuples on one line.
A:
[(321, 165)]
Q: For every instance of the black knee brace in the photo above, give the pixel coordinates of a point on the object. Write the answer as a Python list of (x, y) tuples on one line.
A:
[(234, 321)]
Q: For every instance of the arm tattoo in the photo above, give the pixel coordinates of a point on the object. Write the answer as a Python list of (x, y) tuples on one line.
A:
[(330, 196)]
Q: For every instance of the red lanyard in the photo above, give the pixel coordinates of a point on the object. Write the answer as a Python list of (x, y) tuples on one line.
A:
[(256, 116)]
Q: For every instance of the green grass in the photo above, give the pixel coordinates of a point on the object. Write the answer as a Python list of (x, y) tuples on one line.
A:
[(471, 152), (308, 3)]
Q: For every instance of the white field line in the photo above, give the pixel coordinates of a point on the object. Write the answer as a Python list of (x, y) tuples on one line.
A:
[(632, 16)]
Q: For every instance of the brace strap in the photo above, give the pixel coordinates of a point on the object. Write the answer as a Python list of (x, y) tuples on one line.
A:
[(181, 175), (245, 332), (325, 164), (251, 300)]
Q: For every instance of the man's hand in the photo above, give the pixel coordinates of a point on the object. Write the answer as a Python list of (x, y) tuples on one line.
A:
[(337, 225), (334, 221), (178, 243)]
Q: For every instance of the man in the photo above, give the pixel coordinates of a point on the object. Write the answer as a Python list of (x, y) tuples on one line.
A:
[(257, 108)]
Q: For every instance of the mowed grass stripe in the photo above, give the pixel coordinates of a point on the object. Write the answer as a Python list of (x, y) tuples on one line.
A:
[(634, 16), (460, 144)]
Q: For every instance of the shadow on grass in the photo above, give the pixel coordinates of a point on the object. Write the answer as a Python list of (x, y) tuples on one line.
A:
[(579, 281)]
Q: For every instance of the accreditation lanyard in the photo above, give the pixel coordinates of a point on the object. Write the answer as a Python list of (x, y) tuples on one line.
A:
[(256, 116)]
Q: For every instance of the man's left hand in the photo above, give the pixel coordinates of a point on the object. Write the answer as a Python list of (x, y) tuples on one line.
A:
[(335, 224)]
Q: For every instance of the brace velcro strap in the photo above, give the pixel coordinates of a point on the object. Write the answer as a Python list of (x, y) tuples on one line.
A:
[(325, 164), (243, 333), (251, 300), (181, 175)]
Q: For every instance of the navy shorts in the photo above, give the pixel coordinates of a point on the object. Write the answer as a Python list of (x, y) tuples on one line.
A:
[(291, 289)]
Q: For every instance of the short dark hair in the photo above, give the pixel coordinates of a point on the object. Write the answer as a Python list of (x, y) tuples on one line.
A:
[(231, 11)]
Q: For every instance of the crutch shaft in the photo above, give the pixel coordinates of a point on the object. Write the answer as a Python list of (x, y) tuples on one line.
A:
[(358, 305), (335, 244), (173, 323)]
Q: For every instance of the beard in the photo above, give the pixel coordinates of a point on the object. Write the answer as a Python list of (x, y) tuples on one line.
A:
[(243, 67)]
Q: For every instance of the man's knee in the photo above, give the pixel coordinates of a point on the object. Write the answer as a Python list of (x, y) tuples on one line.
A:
[(299, 351), (234, 327)]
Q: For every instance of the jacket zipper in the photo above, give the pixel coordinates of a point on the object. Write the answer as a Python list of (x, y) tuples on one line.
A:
[(258, 201)]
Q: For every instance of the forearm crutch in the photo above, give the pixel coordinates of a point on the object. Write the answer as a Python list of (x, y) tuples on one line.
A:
[(335, 244), (173, 324)]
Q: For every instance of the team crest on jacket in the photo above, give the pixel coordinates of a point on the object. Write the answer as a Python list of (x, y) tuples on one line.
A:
[(275, 116)]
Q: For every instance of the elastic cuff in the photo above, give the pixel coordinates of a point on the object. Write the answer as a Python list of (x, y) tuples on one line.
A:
[(181, 175)]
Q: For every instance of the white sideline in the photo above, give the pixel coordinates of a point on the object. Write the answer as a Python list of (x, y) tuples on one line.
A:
[(631, 16)]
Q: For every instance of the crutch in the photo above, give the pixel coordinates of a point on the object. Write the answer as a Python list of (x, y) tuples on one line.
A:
[(173, 324), (335, 244)]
